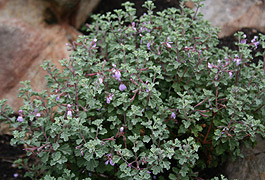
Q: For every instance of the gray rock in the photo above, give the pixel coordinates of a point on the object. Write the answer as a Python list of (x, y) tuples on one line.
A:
[(251, 167), (232, 15)]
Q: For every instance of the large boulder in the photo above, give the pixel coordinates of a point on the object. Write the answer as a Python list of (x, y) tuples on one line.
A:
[(23, 49), (252, 166), (233, 15), (32, 31)]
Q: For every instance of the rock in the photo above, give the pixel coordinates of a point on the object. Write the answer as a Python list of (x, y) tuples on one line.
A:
[(32, 31), (190, 4), (23, 49), (251, 167), (43, 12), (231, 16)]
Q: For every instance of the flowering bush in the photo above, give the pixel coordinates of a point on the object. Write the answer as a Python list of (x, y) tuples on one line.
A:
[(142, 98)]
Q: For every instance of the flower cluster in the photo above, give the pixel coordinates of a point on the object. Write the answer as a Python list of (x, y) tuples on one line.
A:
[(20, 117)]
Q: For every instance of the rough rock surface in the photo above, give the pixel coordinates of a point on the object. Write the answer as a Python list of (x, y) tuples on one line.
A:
[(251, 167), (41, 12), (32, 31), (233, 15)]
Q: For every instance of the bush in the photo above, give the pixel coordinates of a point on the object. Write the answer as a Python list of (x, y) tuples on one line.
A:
[(142, 98)]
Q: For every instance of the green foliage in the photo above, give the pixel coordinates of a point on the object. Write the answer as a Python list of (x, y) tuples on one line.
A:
[(143, 97)]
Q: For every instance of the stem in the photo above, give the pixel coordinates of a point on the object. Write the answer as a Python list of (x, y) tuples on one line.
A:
[(5, 116), (124, 117), (183, 73), (201, 102), (115, 34), (76, 100), (42, 129), (216, 96), (209, 129)]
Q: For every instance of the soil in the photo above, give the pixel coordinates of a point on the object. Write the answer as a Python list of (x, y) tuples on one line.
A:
[(8, 153)]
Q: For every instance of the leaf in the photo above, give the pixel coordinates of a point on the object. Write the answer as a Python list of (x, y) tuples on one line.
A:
[(156, 170), (166, 164), (172, 176), (97, 122), (91, 165), (82, 115), (146, 139), (65, 136), (45, 157), (55, 146), (65, 149)]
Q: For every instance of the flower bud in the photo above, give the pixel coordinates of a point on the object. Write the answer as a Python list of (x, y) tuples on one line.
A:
[(121, 129), (20, 119), (69, 113)]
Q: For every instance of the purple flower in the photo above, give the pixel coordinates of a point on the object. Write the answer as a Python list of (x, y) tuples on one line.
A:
[(148, 45), (122, 87), (243, 41), (254, 39), (109, 98), (82, 153), (121, 129), (93, 43), (230, 73), (57, 98), (100, 80), (168, 43), (38, 115), (69, 113), (109, 160), (15, 175), (20, 119), (237, 59), (20, 111), (117, 75), (256, 43), (210, 65), (173, 115), (133, 26)]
